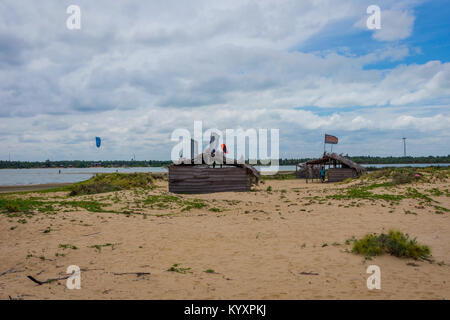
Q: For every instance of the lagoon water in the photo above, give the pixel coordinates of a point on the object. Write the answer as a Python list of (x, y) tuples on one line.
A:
[(19, 177)]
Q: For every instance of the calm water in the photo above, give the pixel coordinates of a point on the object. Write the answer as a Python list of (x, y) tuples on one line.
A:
[(16, 177)]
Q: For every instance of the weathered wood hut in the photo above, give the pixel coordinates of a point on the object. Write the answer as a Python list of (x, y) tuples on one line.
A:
[(307, 171), (201, 177), (339, 168)]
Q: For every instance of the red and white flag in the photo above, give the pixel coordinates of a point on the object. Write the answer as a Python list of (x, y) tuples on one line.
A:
[(330, 139)]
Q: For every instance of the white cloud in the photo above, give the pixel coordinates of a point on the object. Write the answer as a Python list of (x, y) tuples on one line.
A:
[(137, 70), (396, 25), (397, 21)]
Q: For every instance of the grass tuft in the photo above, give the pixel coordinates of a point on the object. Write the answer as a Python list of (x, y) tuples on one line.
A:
[(176, 268)]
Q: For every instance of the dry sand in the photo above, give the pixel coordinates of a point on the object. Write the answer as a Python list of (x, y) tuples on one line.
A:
[(258, 244)]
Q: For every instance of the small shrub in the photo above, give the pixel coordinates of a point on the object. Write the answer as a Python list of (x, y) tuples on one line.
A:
[(395, 243), (175, 268), (68, 246), (12, 207), (403, 176)]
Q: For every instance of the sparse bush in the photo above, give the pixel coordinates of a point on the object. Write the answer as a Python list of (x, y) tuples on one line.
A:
[(395, 243), (403, 176), (12, 207)]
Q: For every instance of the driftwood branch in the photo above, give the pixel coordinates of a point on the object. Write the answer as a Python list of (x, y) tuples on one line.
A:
[(10, 271), (48, 280), (309, 273), (139, 274)]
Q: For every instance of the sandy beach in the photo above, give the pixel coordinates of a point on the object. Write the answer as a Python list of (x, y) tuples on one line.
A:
[(290, 242)]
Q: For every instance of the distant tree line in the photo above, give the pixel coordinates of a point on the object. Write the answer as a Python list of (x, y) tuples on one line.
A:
[(399, 160), (161, 163), (81, 164), (378, 160)]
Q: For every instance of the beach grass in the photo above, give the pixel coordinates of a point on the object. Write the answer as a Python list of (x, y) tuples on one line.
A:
[(109, 182)]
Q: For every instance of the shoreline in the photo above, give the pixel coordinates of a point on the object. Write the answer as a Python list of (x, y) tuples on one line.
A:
[(385, 165)]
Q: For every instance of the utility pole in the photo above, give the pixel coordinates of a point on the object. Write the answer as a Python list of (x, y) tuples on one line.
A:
[(404, 147)]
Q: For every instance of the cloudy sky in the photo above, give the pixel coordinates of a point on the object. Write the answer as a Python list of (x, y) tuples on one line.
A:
[(137, 70)]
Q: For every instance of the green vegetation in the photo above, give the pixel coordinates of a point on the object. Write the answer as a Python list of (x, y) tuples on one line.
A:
[(436, 192), (279, 176), (362, 192), (92, 206), (395, 243), (68, 246), (109, 182), (209, 271), (407, 175), (100, 246), (194, 204), (399, 160), (17, 206), (163, 198), (175, 268), (390, 178), (164, 201)]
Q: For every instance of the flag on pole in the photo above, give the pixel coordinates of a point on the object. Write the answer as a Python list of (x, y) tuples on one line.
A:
[(330, 139)]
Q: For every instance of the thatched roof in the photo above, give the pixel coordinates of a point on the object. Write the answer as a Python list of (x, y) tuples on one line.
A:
[(343, 160), (206, 159)]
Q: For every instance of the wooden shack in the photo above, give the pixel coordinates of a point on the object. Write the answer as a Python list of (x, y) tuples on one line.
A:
[(204, 178), (338, 168)]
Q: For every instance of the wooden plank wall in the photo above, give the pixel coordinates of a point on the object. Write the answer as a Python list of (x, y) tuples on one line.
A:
[(303, 173), (340, 174), (193, 179)]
